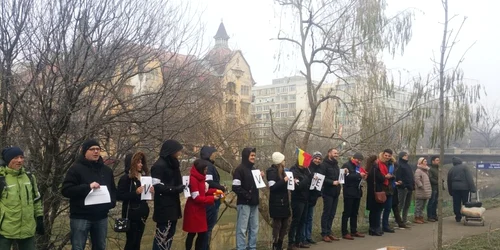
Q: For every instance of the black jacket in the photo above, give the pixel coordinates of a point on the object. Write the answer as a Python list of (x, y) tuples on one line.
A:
[(279, 204), (352, 185), (460, 178), (76, 187), (205, 154), (405, 174), (434, 177), (243, 183), (314, 194), (167, 204), (331, 170), (301, 192), (137, 209), (374, 183)]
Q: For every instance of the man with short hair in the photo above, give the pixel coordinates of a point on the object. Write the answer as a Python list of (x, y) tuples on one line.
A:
[(352, 196), (386, 165), (314, 167), (20, 204), (404, 175), (88, 173), (247, 202), (434, 178), (331, 191)]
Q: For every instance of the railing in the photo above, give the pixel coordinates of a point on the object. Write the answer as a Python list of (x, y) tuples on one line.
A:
[(458, 151)]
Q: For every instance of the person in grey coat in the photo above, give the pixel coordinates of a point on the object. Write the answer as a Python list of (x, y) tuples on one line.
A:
[(460, 184)]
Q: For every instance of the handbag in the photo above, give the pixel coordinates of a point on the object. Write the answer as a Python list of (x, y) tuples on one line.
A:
[(380, 197), (123, 224)]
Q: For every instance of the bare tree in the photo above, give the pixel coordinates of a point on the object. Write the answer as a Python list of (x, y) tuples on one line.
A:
[(488, 127)]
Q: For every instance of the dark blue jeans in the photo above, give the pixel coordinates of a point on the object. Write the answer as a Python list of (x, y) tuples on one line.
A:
[(212, 215), (307, 231), (387, 212), (80, 230), (432, 205)]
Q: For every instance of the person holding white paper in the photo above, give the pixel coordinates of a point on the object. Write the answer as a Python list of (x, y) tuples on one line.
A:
[(248, 201), (314, 168), (300, 197), (331, 192), (279, 204), (86, 174), (352, 196), (130, 189), (167, 203)]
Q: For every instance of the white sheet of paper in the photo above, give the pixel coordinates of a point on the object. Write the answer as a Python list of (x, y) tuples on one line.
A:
[(156, 181), (98, 196), (209, 177), (291, 182), (317, 183), (185, 182), (257, 178), (342, 176), (146, 182)]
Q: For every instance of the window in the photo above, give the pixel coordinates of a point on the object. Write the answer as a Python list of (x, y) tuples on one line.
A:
[(258, 116), (283, 114), (277, 107), (231, 88), (291, 97), (284, 106), (259, 108), (292, 88), (230, 107), (244, 108), (291, 105), (266, 107), (284, 98), (245, 90), (284, 89)]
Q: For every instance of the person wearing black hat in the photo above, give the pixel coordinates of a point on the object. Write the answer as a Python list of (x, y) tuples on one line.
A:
[(354, 175), (22, 213), (88, 173), (314, 167), (460, 184), (167, 202)]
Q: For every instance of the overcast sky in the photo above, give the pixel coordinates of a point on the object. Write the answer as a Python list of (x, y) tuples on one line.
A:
[(252, 24)]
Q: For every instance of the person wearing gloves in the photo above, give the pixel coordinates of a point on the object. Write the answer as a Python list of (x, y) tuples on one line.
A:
[(20, 205), (314, 167), (352, 195), (423, 190), (208, 154), (167, 203), (279, 204), (88, 173), (460, 184), (195, 223), (129, 191), (247, 202)]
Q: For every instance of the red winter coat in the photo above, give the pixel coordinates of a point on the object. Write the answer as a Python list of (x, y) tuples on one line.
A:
[(195, 216)]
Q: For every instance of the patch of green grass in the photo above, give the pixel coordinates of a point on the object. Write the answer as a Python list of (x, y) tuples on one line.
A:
[(485, 241)]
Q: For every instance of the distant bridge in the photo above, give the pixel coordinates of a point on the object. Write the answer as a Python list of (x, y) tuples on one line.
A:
[(466, 154)]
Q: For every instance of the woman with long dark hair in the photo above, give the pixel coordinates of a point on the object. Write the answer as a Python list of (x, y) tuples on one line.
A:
[(375, 181), (279, 204), (129, 191)]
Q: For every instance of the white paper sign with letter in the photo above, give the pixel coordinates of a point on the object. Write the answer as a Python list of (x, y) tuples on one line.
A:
[(342, 175), (257, 178), (291, 182), (317, 182), (147, 183), (185, 182)]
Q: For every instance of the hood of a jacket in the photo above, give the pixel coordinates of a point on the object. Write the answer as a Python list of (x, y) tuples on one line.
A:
[(127, 162), (170, 147), (456, 161), (196, 172), (245, 154), (206, 152)]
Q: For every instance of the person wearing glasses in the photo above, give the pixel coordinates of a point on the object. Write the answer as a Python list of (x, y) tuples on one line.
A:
[(88, 173)]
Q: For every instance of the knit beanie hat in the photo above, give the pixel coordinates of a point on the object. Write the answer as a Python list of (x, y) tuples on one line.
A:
[(402, 154), (278, 158), (88, 144), (358, 156), (317, 154), (10, 153)]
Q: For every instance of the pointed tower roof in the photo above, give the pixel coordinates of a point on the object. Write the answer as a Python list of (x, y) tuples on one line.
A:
[(221, 33)]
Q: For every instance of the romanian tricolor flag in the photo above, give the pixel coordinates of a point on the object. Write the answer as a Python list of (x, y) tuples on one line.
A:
[(303, 158)]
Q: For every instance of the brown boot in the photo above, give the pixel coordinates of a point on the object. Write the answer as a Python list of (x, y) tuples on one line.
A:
[(418, 220), (327, 239)]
